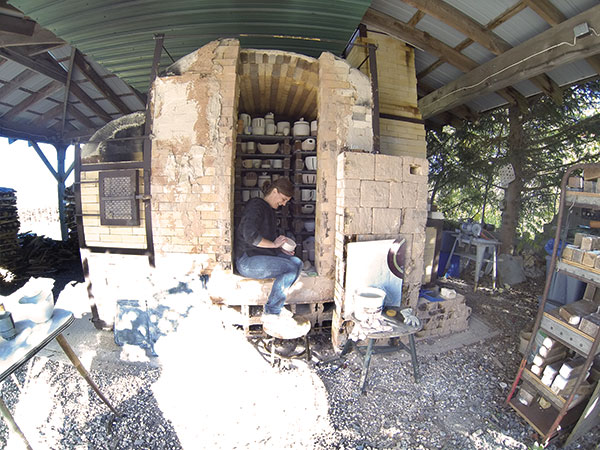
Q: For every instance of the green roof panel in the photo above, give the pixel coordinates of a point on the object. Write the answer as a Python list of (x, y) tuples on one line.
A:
[(120, 34)]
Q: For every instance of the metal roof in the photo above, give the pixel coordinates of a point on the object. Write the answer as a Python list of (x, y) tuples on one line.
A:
[(120, 34), (115, 44)]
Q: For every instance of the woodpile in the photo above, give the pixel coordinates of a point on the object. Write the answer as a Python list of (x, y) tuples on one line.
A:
[(9, 227), (27, 254)]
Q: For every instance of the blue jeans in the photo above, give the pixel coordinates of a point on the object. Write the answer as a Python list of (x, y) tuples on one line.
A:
[(284, 268)]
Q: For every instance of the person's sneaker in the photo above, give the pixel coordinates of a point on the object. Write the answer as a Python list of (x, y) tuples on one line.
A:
[(286, 313), (281, 327)]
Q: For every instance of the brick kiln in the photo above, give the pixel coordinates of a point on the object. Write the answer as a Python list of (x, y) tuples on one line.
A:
[(183, 201)]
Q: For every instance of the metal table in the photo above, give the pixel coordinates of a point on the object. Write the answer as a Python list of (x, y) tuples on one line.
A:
[(30, 339), (398, 330), (481, 245)]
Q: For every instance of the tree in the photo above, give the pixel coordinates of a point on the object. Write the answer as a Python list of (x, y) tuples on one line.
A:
[(538, 143)]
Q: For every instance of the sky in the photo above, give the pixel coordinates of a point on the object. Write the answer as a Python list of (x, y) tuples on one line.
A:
[(22, 170)]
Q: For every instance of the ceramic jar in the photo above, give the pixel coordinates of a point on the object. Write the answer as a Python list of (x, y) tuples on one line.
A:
[(309, 144), (258, 126), (301, 128)]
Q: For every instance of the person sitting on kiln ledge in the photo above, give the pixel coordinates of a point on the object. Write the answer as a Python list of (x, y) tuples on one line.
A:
[(260, 251)]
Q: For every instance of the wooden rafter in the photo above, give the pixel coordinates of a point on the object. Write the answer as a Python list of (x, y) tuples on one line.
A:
[(415, 19), (483, 36), (89, 72), (551, 14), (40, 36), (539, 54), (426, 42), (44, 92), (16, 82), (50, 68)]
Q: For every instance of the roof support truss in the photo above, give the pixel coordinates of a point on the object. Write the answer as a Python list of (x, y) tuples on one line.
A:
[(543, 52)]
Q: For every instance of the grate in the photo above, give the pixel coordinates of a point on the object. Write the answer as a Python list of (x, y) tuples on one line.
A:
[(118, 202)]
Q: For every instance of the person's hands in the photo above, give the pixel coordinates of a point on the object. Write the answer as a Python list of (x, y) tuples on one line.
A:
[(279, 241)]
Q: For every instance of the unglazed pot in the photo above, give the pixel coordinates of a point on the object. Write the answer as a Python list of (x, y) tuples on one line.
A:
[(301, 128)]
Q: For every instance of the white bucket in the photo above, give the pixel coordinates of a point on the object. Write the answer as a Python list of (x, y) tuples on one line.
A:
[(368, 301)]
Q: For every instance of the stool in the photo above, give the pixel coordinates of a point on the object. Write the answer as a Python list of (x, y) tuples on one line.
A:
[(301, 330), (398, 330)]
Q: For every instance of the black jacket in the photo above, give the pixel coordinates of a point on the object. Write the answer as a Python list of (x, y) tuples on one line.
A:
[(258, 221)]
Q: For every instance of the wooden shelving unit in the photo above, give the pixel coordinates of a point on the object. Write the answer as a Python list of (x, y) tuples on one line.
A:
[(575, 414)]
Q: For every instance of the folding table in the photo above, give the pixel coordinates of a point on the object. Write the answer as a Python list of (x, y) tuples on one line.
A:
[(31, 338)]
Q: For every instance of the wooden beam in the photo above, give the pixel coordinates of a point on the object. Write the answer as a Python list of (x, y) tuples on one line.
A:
[(546, 10), (67, 90), (32, 99), (16, 82), (415, 19), (52, 69), (418, 38), (549, 87), (17, 25), (40, 36), (27, 133), (89, 72), (542, 53), (461, 22)]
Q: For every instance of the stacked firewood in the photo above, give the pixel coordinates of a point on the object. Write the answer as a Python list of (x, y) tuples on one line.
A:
[(9, 228)]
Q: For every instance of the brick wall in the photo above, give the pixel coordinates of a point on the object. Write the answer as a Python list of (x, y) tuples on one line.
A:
[(397, 80), (382, 197), (192, 156), (97, 235), (345, 122)]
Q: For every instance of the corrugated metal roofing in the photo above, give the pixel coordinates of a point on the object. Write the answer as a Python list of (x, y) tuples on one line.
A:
[(119, 34)]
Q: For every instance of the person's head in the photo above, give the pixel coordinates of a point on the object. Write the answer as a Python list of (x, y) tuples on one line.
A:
[(279, 192)]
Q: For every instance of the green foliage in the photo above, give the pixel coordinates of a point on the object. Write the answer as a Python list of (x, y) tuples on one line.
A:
[(464, 162)]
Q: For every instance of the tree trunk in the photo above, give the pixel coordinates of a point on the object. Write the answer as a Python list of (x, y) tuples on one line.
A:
[(512, 195)]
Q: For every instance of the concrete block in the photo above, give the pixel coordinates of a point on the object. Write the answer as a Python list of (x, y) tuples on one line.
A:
[(374, 193), (386, 220), (388, 168), (357, 220), (356, 165), (415, 169)]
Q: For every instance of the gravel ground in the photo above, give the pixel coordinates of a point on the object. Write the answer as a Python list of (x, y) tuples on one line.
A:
[(212, 388)]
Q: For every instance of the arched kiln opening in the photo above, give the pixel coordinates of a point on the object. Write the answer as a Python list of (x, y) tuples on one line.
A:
[(276, 137)]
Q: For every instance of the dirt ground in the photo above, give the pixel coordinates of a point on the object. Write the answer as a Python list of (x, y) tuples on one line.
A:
[(211, 387)]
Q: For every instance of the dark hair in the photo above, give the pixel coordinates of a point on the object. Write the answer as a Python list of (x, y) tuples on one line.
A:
[(283, 185)]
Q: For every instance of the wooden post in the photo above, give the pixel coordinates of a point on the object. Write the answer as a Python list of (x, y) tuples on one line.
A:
[(61, 151)]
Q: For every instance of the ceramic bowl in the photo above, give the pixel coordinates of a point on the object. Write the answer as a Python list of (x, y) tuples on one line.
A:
[(268, 149), (256, 163), (289, 245), (309, 225), (311, 162), (247, 164)]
